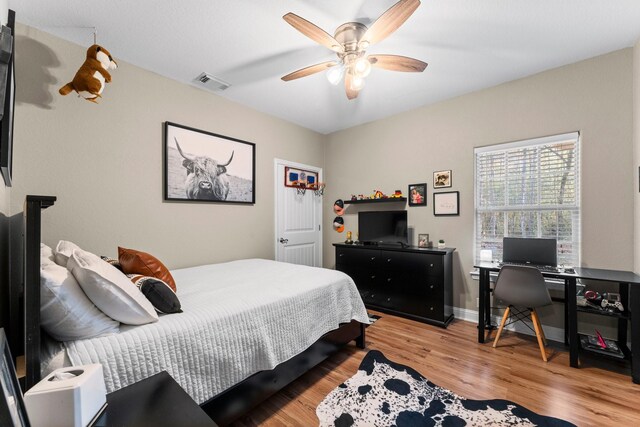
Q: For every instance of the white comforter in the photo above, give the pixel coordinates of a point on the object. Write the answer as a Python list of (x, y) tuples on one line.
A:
[(239, 318)]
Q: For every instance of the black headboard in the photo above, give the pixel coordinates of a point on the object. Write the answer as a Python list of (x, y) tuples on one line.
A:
[(23, 305)]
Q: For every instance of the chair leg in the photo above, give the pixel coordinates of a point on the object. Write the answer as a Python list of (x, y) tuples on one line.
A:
[(536, 325), (544, 337), (504, 321)]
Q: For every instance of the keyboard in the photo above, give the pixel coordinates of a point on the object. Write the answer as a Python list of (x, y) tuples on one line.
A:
[(543, 268)]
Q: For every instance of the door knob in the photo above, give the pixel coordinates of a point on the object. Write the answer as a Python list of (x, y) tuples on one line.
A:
[(284, 241)]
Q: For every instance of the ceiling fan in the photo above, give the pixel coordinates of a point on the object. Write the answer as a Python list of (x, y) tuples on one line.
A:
[(351, 41)]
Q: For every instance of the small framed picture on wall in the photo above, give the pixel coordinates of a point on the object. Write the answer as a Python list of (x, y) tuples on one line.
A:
[(418, 194), (442, 179), (446, 203)]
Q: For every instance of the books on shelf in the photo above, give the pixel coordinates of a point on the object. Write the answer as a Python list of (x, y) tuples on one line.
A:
[(594, 344)]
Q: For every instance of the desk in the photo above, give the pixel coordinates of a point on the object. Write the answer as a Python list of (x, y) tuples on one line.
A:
[(629, 288)]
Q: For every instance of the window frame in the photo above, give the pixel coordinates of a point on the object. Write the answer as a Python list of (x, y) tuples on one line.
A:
[(538, 207)]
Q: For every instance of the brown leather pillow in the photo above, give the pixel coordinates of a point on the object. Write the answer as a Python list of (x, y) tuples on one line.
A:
[(138, 262)]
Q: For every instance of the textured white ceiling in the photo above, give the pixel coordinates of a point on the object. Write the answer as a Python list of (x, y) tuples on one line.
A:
[(469, 45)]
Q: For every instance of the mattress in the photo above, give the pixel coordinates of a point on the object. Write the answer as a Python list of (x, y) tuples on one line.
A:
[(239, 318)]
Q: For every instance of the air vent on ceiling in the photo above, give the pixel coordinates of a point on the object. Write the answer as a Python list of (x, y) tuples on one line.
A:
[(210, 82)]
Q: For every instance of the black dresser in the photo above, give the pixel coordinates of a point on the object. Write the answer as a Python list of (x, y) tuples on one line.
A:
[(412, 282)]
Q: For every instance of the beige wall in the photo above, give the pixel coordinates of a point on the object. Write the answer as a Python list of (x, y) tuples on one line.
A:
[(592, 96), (104, 162), (636, 153)]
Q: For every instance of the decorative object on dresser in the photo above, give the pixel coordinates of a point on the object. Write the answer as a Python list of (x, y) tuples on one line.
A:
[(202, 166), (418, 194), (424, 242), (386, 393), (446, 203), (441, 244), (442, 179), (349, 241), (411, 282)]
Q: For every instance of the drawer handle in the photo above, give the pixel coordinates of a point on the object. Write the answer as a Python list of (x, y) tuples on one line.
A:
[(388, 259), (372, 258), (389, 279), (430, 265), (431, 287), (373, 277), (388, 299), (341, 255), (431, 308)]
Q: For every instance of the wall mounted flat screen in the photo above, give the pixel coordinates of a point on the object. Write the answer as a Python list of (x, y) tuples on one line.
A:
[(383, 227), (530, 251)]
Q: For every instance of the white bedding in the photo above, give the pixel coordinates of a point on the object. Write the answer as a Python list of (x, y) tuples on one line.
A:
[(239, 318)]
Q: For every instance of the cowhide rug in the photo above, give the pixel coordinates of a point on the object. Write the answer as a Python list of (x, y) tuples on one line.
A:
[(384, 393)]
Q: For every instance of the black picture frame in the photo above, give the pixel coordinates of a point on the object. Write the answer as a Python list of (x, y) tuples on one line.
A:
[(417, 194), (446, 203), (13, 412), (442, 179), (190, 161), (6, 124)]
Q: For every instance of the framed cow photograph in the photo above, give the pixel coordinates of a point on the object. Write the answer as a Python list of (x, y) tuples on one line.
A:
[(202, 166)]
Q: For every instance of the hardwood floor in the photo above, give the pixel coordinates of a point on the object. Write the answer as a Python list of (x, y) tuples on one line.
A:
[(600, 393)]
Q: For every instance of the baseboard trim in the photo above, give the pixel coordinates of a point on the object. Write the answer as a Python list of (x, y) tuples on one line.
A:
[(551, 332)]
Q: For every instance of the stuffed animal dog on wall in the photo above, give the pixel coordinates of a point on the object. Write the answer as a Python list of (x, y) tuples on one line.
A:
[(90, 79)]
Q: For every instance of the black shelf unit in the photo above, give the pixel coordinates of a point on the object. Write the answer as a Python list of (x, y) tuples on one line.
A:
[(626, 352), (387, 200), (618, 315), (624, 317)]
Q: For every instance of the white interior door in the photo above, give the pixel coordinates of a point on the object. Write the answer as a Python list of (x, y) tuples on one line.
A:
[(298, 220)]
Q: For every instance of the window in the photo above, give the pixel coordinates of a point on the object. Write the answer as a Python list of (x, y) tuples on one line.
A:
[(529, 189)]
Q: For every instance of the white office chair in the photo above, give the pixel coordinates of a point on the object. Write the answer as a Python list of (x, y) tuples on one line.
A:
[(520, 286)]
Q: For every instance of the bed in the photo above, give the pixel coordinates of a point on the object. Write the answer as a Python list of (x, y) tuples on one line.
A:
[(251, 327)]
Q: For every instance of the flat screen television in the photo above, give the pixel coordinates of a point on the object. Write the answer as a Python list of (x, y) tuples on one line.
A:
[(383, 227)]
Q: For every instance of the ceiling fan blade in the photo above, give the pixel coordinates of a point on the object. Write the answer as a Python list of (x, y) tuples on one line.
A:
[(397, 63), (312, 31), (389, 21), (307, 71), (351, 93)]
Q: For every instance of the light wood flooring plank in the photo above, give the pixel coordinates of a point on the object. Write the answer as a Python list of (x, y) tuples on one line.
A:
[(598, 394)]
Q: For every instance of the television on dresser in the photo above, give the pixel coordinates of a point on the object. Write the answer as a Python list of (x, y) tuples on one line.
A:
[(383, 227)]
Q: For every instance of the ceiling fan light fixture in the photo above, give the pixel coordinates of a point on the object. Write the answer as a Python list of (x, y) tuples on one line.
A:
[(357, 83), (335, 74), (362, 67)]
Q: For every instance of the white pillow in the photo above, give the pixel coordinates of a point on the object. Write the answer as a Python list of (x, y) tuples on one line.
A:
[(65, 311), (46, 255), (110, 289), (63, 251)]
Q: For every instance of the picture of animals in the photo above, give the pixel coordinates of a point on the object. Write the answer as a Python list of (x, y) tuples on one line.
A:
[(205, 167)]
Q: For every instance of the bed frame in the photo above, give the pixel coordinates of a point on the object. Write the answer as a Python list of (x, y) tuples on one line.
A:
[(21, 319)]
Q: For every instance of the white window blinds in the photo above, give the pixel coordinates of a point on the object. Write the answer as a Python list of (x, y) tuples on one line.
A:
[(529, 189)]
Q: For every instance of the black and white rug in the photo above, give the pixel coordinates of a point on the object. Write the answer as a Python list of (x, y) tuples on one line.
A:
[(385, 393)]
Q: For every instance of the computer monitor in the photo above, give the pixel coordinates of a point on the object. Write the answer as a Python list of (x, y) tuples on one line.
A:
[(530, 251)]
